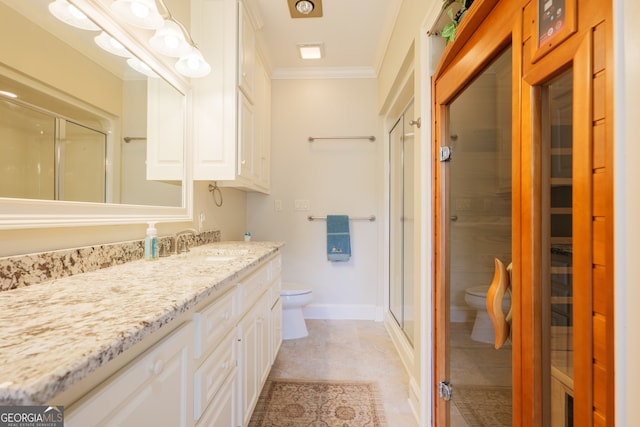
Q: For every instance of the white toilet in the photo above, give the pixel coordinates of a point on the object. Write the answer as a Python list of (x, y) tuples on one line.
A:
[(476, 297), (294, 296)]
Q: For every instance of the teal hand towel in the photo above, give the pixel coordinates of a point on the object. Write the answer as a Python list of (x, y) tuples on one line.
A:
[(338, 238)]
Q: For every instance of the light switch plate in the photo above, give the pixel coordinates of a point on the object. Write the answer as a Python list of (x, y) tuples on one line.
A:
[(301, 205)]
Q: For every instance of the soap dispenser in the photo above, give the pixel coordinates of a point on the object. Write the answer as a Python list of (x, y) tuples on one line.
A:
[(151, 242)]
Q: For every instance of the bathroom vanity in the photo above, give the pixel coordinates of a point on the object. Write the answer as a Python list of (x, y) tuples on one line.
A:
[(187, 340)]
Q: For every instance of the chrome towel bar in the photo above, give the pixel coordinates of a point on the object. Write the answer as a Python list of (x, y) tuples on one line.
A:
[(128, 139), (355, 218), (370, 138)]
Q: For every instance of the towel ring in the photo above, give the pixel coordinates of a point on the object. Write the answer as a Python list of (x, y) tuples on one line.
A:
[(217, 193)]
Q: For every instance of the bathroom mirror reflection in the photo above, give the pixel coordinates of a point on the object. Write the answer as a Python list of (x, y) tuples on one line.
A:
[(83, 126)]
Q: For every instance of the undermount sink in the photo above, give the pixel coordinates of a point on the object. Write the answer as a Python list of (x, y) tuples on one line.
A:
[(219, 258), (217, 254)]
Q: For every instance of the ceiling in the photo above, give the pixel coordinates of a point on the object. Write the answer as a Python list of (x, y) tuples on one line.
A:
[(354, 33)]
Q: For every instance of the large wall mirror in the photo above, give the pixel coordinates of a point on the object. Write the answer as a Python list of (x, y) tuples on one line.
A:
[(87, 136)]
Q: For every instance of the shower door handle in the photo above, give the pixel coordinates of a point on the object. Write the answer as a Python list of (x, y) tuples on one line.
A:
[(498, 289)]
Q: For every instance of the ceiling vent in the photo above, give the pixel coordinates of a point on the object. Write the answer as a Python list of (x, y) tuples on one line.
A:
[(305, 8)]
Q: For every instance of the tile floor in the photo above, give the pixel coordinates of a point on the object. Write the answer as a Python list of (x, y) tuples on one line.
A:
[(362, 350), (350, 350), (476, 363)]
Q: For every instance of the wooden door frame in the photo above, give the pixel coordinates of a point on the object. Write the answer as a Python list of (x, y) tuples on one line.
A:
[(488, 27)]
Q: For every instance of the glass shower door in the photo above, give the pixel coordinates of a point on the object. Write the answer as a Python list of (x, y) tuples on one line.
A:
[(401, 223)]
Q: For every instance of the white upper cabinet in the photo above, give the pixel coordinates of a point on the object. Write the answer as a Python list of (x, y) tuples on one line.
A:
[(246, 51), (231, 116)]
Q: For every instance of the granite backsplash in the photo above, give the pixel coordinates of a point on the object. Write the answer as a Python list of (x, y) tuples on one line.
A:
[(24, 270)]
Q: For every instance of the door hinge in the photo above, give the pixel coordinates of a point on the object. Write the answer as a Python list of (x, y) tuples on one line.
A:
[(446, 390), (445, 153)]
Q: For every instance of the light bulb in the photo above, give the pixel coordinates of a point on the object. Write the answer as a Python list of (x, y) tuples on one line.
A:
[(108, 43), (170, 40), (193, 65), (140, 10), (75, 12), (304, 6), (68, 13)]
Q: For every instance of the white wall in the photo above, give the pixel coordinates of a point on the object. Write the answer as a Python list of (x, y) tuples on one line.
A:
[(336, 177), (627, 210)]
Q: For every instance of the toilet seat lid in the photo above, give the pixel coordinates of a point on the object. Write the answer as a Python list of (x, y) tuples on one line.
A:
[(292, 289), (293, 292), (480, 291)]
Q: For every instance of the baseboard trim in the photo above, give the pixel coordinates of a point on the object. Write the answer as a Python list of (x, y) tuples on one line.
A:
[(343, 312)]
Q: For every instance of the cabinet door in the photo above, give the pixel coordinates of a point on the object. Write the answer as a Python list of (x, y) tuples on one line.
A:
[(223, 411), (262, 135), (263, 354), (248, 377), (246, 51), (246, 156), (276, 329), (150, 391), (213, 24)]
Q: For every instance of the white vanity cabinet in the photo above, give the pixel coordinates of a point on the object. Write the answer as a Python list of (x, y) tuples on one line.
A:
[(254, 338), (208, 372), (154, 389), (231, 106)]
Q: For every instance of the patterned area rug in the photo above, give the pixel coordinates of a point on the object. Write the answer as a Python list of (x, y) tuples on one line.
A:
[(299, 403), (483, 406)]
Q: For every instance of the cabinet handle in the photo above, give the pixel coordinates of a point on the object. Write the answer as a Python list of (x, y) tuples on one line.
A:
[(156, 367)]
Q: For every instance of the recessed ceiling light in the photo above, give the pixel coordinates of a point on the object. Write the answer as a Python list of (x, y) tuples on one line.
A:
[(304, 6), (311, 50)]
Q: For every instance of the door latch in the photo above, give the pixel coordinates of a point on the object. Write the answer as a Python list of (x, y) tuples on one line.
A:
[(446, 390), (445, 153)]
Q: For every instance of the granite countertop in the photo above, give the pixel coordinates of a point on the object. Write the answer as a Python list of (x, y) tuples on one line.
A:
[(56, 333)]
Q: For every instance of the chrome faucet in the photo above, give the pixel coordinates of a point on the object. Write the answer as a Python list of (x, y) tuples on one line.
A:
[(176, 239)]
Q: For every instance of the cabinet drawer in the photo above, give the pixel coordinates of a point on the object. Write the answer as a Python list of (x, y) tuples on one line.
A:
[(212, 323), (210, 377), (131, 396), (223, 411), (252, 287)]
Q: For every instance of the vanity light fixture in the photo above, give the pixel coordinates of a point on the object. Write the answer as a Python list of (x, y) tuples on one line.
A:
[(140, 13), (311, 50), (193, 65), (69, 14), (111, 45), (170, 39), (141, 67)]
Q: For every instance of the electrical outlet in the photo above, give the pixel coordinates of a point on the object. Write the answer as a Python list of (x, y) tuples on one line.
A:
[(201, 219)]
